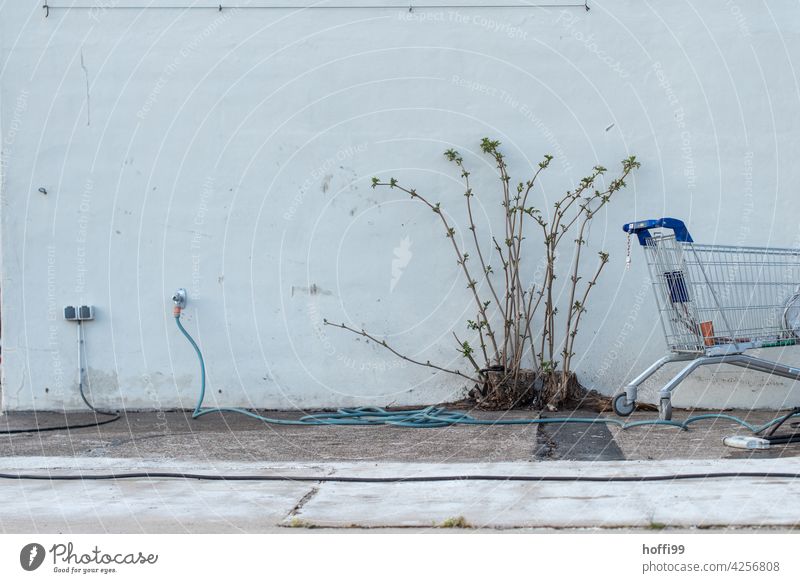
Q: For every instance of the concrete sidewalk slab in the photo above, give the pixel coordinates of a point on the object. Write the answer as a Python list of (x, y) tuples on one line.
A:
[(145, 507), (171, 505)]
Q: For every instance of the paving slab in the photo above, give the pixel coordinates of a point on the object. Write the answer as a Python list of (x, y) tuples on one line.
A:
[(173, 505), (142, 506), (563, 505)]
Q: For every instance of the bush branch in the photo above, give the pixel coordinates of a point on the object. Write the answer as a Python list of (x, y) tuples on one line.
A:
[(383, 343)]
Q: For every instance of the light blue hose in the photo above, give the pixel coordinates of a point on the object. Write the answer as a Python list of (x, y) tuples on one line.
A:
[(431, 417)]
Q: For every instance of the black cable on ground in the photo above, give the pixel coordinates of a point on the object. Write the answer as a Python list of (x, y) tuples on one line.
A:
[(95, 423), (115, 416), (781, 421), (782, 438), (395, 480)]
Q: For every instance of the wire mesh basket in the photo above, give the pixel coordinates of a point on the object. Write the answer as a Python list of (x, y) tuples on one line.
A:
[(715, 302)]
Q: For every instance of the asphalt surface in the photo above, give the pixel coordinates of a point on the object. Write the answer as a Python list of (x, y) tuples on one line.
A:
[(174, 435)]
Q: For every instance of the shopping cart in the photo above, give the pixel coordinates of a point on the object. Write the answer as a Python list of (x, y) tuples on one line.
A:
[(715, 303)]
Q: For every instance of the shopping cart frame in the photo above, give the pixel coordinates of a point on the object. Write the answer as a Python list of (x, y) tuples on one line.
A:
[(702, 354)]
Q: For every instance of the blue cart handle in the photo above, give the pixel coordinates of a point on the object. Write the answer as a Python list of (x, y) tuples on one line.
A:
[(642, 229)]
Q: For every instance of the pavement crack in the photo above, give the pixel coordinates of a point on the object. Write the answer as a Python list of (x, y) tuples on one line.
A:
[(302, 502)]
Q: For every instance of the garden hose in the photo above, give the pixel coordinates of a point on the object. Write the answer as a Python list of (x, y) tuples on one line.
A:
[(433, 416)]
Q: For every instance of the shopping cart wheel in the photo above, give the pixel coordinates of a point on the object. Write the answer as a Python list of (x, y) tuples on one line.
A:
[(621, 405), (665, 409)]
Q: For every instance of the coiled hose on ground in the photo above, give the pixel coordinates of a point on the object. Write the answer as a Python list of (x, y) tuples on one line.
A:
[(432, 417)]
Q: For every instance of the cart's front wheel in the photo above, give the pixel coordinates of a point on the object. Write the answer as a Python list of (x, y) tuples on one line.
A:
[(665, 409), (621, 405)]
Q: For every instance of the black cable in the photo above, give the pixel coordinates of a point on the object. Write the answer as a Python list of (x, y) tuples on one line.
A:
[(115, 416), (783, 420), (95, 423), (392, 480), (782, 438)]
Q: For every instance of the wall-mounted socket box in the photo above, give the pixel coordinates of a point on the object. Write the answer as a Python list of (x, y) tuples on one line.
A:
[(78, 313)]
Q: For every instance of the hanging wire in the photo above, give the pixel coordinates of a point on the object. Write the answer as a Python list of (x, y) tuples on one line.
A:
[(218, 7)]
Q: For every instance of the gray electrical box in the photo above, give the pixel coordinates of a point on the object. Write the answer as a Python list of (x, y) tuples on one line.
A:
[(85, 312), (78, 313)]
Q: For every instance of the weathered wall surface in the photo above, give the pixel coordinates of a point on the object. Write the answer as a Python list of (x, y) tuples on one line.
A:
[(231, 153)]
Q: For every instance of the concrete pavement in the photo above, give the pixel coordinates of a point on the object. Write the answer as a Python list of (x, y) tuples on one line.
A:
[(175, 505), (234, 444)]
